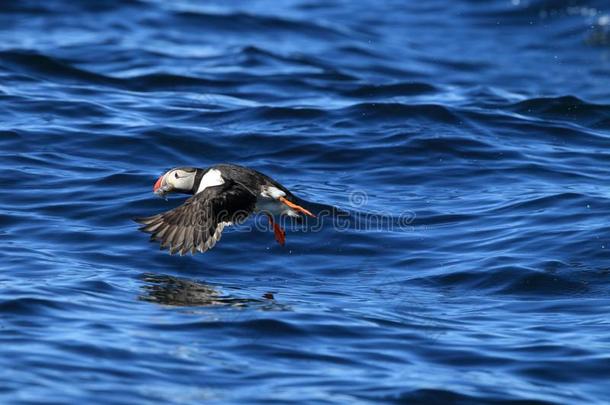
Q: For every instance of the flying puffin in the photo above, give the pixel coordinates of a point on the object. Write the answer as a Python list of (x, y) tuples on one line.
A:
[(224, 194)]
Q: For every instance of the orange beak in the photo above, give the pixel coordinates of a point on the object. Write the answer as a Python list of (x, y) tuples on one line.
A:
[(158, 184)]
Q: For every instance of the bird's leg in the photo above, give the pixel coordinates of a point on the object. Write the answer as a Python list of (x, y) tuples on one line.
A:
[(280, 234), (296, 207)]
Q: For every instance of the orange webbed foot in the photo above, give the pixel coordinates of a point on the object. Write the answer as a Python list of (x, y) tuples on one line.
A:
[(280, 234), (296, 207)]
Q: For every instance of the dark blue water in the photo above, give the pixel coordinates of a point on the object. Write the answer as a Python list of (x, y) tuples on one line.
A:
[(478, 131)]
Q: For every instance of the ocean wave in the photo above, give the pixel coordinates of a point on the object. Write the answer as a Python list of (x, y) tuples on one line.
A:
[(455, 157)]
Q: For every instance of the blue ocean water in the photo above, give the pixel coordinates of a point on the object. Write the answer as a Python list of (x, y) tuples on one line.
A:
[(478, 132)]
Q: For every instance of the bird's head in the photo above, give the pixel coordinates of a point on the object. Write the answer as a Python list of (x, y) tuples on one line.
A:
[(177, 180)]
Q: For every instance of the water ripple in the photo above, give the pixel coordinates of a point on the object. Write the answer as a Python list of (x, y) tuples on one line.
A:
[(456, 158)]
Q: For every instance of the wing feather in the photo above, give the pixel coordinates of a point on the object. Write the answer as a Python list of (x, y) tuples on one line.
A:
[(197, 224)]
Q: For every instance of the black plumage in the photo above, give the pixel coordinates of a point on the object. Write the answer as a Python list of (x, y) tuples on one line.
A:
[(197, 224), (250, 178)]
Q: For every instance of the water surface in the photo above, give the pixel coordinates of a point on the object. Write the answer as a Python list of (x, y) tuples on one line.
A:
[(478, 131)]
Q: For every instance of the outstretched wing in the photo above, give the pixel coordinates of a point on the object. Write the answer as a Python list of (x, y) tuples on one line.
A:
[(197, 224)]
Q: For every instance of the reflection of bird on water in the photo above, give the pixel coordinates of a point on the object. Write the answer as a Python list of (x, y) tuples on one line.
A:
[(168, 290)]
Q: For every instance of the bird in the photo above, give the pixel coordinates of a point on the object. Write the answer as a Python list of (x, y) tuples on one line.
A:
[(222, 195)]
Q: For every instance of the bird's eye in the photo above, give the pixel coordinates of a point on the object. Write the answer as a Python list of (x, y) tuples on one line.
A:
[(176, 175)]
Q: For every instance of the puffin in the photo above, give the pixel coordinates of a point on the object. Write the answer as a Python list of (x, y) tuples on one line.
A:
[(222, 195)]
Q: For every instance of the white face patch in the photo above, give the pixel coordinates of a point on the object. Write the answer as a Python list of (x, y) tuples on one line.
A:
[(176, 180), (181, 179), (210, 179)]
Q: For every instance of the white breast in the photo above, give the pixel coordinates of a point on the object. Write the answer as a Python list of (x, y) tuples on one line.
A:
[(272, 192), (210, 179), (268, 201)]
